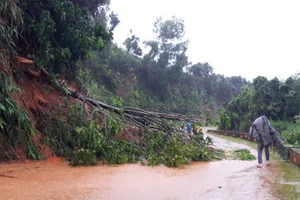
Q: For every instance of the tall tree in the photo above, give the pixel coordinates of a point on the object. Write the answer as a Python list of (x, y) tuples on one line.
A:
[(132, 45), (292, 97), (203, 73), (168, 45), (242, 106), (59, 32), (261, 96), (276, 104), (168, 50), (91, 5)]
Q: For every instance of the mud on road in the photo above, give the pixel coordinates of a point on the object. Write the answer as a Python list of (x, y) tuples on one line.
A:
[(218, 180)]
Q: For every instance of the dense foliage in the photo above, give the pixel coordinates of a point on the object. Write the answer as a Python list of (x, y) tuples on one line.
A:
[(278, 100), (42, 30), (15, 126), (57, 33)]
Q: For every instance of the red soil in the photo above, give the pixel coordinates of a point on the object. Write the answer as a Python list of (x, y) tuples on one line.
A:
[(37, 95)]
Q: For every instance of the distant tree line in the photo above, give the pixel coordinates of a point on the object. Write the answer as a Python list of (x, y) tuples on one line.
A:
[(278, 100)]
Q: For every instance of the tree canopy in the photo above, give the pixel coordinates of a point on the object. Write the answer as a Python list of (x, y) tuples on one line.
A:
[(59, 33)]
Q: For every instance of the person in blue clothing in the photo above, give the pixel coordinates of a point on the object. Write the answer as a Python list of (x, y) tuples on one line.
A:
[(189, 127)]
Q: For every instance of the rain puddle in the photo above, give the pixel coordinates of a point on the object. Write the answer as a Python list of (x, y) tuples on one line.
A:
[(54, 179)]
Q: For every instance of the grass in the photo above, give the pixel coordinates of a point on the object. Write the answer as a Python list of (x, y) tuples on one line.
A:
[(244, 154), (286, 185)]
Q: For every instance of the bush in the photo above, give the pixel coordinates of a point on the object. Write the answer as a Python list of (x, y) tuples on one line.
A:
[(281, 126), (290, 132), (244, 154), (292, 135), (152, 145), (16, 129), (84, 157), (119, 151), (176, 152)]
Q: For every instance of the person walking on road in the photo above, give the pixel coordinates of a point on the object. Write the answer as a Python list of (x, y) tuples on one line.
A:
[(266, 135)]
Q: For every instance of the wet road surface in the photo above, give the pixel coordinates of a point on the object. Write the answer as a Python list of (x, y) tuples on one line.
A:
[(219, 180)]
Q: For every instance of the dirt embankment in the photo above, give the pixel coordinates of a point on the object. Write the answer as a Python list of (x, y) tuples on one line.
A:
[(35, 95)]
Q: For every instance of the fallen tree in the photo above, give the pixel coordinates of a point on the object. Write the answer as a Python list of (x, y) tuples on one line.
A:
[(129, 115), (87, 130)]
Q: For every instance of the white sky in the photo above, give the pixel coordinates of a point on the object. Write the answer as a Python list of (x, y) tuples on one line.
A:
[(247, 38)]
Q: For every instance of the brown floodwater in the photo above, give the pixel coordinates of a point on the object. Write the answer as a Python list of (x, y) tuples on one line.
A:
[(54, 179)]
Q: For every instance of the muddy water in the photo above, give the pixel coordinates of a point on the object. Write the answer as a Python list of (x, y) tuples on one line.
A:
[(53, 179)]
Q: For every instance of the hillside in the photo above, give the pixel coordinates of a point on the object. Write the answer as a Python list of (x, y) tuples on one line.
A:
[(81, 97), (64, 124)]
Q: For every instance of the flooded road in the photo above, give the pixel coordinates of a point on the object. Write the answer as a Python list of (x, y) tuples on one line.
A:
[(219, 180)]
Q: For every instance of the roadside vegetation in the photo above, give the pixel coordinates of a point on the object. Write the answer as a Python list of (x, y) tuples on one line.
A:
[(287, 186), (277, 100)]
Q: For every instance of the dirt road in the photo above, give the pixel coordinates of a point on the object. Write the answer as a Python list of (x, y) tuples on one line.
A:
[(219, 180)]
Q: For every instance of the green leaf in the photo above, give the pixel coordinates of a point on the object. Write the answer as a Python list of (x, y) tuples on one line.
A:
[(2, 107)]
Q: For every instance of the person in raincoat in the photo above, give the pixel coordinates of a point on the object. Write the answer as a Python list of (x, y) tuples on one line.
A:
[(266, 135)]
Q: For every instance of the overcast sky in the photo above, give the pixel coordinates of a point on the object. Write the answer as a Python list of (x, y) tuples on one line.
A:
[(236, 37)]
